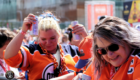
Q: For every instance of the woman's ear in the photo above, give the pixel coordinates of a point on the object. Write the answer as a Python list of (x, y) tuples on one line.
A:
[(59, 35)]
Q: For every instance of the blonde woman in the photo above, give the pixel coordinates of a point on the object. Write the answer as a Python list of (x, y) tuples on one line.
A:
[(46, 59)]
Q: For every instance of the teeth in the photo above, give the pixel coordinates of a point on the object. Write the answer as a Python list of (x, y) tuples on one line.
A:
[(114, 58)]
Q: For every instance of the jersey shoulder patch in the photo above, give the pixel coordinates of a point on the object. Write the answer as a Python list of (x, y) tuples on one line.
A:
[(34, 47)]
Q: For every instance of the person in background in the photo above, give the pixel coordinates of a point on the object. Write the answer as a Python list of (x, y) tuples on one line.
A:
[(116, 50), (5, 37), (80, 30), (64, 39), (69, 33), (85, 47), (32, 40), (83, 62), (47, 58)]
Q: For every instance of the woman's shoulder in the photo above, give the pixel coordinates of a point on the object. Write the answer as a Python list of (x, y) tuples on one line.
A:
[(134, 59), (136, 53), (67, 46), (70, 49), (33, 47)]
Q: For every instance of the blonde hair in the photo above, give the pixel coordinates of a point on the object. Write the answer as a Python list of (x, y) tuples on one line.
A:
[(47, 24)]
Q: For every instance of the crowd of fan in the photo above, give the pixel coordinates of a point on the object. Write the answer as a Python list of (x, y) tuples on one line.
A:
[(100, 54)]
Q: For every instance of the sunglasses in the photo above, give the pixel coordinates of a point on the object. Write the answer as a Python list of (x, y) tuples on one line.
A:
[(112, 47)]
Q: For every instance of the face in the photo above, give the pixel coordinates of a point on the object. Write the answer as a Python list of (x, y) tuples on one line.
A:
[(64, 39), (49, 40), (117, 57)]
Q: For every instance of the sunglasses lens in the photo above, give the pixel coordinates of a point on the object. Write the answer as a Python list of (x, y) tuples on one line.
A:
[(102, 51), (113, 47)]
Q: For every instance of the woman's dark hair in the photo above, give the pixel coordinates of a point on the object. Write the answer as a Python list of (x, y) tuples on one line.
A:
[(5, 35), (69, 32)]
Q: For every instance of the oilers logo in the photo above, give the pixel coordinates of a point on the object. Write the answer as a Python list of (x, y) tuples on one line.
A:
[(82, 52), (48, 72)]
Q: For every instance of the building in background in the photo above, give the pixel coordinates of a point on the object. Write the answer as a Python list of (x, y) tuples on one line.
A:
[(8, 16), (12, 12), (95, 9)]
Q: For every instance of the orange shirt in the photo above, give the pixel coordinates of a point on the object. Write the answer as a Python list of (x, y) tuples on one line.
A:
[(37, 63), (128, 71)]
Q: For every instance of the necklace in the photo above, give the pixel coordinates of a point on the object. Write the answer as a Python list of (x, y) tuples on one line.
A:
[(50, 56)]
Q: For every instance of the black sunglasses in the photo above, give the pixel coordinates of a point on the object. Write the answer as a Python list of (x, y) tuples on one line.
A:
[(112, 47)]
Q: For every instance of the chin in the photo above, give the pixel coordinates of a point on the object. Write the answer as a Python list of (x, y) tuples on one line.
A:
[(49, 49)]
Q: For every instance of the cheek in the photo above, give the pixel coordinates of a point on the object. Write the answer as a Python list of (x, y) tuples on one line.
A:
[(41, 41), (105, 57), (121, 51), (57, 39), (54, 41)]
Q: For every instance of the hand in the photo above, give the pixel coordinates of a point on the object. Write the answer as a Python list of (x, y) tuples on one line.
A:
[(76, 42), (78, 77), (80, 29), (28, 21), (21, 76)]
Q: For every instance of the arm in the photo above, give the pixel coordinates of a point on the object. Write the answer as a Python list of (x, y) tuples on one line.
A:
[(69, 76), (78, 77), (72, 76), (81, 31), (16, 42)]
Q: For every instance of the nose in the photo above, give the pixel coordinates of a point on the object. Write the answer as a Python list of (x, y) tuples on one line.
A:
[(48, 41), (109, 53)]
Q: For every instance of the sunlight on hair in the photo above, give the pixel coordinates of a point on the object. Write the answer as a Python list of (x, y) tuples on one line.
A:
[(48, 23)]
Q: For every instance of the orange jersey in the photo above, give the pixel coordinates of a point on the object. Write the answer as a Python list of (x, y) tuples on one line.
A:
[(38, 65), (71, 50), (128, 71)]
